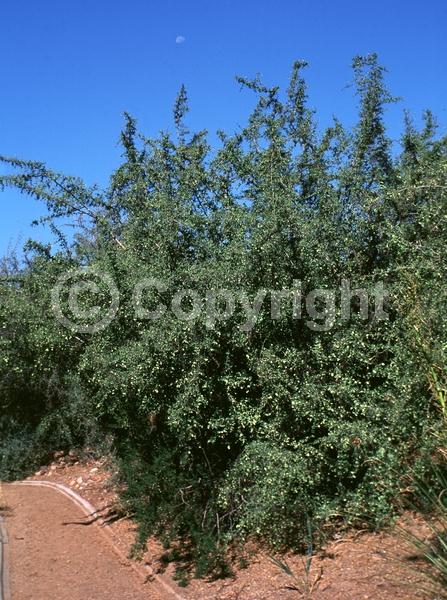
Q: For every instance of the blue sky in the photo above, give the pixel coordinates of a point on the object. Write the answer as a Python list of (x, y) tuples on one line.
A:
[(70, 69)]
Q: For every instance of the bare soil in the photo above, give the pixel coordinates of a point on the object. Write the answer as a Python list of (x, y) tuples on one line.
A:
[(74, 562), (53, 561)]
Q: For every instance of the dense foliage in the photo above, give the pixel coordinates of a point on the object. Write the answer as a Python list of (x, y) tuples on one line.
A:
[(230, 427)]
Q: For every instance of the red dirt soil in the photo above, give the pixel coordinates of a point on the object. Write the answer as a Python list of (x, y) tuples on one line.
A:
[(60, 560), (51, 560)]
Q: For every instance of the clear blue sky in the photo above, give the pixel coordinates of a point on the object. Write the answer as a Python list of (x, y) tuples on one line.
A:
[(69, 69)]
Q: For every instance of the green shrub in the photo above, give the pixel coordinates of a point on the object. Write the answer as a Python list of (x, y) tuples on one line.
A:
[(223, 430)]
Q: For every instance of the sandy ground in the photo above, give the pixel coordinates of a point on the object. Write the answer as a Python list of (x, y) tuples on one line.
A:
[(55, 561), (52, 558)]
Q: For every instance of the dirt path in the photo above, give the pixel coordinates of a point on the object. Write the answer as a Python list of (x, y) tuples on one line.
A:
[(354, 565), (52, 561)]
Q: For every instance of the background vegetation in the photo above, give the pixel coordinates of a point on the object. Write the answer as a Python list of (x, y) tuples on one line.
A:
[(221, 433)]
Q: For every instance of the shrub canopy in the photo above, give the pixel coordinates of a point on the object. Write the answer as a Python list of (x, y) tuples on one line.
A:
[(224, 431)]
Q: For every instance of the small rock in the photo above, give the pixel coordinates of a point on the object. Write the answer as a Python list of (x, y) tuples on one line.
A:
[(59, 454), (53, 468), (94, 470), (38, 474), (73, 482), (79, 480)]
